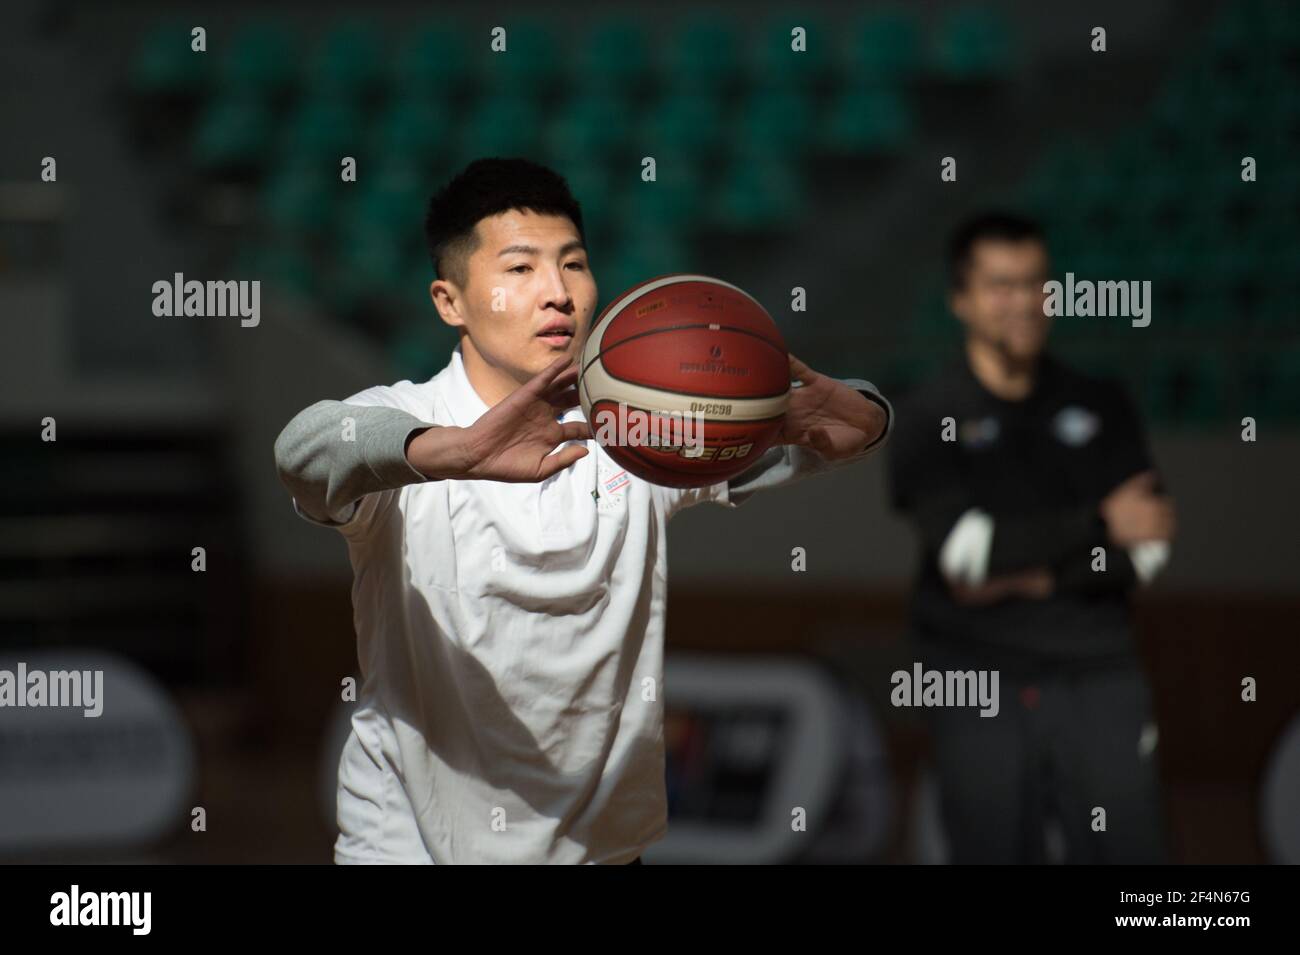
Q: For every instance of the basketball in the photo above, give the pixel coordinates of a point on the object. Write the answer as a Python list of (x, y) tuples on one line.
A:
[(685, 380)]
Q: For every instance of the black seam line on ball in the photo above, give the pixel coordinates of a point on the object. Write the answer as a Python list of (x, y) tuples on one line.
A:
[(677, 328), (737, 421), (674, 328)]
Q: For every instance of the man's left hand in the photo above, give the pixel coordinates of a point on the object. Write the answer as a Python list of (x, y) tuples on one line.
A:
[(829, 416)]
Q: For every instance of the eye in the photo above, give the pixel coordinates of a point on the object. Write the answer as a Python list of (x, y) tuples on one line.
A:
[(580, 265), (517, 268)]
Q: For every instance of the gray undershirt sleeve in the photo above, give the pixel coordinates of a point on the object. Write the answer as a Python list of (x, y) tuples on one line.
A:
[(327, 474)]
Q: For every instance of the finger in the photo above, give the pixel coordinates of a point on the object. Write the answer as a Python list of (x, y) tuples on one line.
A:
[(564, 400), (576, 431), (554, 463), (801, 372), (821, 441), (563, 382), (543, 380)]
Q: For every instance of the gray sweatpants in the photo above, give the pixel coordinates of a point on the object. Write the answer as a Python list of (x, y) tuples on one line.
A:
[(1062, 746)]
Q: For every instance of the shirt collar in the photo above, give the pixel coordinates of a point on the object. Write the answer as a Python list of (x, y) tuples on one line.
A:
[(464, 402)]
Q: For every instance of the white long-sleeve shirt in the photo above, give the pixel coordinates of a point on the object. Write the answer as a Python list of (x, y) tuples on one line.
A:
[(509, 636)]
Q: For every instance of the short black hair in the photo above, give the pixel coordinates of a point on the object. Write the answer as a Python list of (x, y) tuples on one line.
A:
[(485, 188), (1000, 226)]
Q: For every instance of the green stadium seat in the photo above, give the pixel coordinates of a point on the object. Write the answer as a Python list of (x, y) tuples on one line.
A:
[(670, 204), (1093, 262), (774, 65), (281, 265), (1196, 106), (347, 61), (1231, 266), (433, 59), (972, 44), (1063, 161), (592, 185), (165, 65), (905, 371), (232, 132), (1151, 201), (413, 128), (388, 200), (1280, 397), (780, 121), (866, 121), (367, 266), (1210, 310), (324, 129), (592, 124), (882, 47), (533, 59), (1133, 155), (299, 199), (1274, 245), (1254, 30), (682, 122), (1097, 360), (1231, 38), (638, 259), (1158, 393), (933, 321), (758, 193), (423, 345), (701, 54), (499, 125), (261, 60), (1095, 197), (614, 56)]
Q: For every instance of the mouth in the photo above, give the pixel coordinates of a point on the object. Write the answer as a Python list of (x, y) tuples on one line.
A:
[(557, 334)]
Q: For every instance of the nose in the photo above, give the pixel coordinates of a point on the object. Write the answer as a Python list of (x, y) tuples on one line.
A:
[(1027, 301), (556, 293)]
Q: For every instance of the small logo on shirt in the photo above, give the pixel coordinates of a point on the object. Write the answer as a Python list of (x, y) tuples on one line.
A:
[(980, 432), (1075, 426), (617, 482), (611, 493)]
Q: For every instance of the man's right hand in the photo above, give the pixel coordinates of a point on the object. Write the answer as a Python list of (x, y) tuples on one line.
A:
[(1135, 512), (513, 440)]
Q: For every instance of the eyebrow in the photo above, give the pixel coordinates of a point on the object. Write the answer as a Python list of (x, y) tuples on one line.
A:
[(534, 250)]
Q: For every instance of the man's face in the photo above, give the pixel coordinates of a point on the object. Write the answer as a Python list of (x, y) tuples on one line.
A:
[(530, 293), (1001, 303)]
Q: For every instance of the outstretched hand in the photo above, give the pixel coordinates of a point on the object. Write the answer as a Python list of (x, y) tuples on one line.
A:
[(513, 440), (829, 416)]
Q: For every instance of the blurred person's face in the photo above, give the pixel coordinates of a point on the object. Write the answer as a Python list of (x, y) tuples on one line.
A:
[(528, 299), (1001, 303)]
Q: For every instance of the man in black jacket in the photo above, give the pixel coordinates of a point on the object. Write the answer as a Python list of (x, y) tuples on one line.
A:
[(1039, 511)]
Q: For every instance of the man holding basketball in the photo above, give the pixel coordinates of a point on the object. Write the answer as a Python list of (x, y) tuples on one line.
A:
[(509, 620)]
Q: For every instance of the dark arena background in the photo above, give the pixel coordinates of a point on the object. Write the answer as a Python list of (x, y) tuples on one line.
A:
[(143, 530)]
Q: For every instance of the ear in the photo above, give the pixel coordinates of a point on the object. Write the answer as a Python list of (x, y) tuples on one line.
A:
[(446, 299)]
